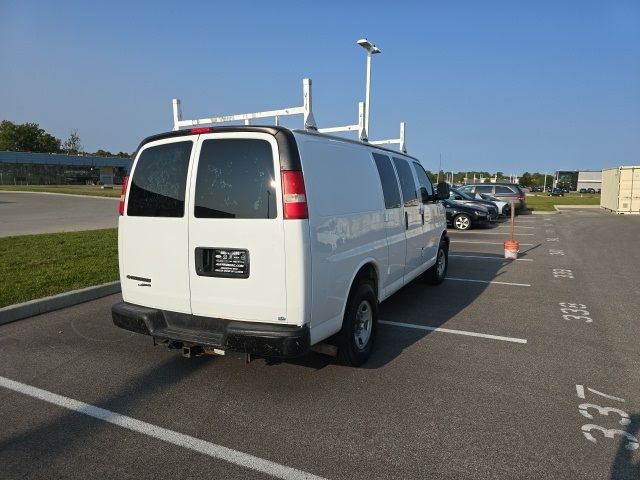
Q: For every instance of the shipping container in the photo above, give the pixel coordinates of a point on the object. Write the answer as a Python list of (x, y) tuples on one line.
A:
[(621, 189)]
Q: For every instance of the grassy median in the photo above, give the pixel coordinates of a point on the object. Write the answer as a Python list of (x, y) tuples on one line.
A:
[(89, 190), (545, 203), (35, 266)]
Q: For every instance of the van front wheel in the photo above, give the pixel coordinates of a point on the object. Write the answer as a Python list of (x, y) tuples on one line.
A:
[(436, 274), (359, 325)]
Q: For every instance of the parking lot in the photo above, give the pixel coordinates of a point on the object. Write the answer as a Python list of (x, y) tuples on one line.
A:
[(31, 213), (510, 369)]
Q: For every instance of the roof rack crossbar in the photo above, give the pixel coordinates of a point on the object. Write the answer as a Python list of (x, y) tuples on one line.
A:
[(400, 141), (305, 110)]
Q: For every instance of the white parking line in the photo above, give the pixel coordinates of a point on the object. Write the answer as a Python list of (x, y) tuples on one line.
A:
[(509, 226), (457, 332), (488, 281), (489, 243), (201, 446), (488, 257), (490, 233)]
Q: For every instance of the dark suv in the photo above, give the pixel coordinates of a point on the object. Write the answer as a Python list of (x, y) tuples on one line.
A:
[(507, 192)]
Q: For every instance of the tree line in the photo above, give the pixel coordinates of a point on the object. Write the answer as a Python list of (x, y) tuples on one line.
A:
[(29, 137), (527, 179)]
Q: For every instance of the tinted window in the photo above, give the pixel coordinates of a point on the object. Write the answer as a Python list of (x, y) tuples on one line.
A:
[(235, 179), (500, 190), (466, 190), (407, 184), (159, 181), (424, 184), (388, 180), (484, 188)]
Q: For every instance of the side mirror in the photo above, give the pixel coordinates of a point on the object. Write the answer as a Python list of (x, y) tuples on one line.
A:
[(443, 191)]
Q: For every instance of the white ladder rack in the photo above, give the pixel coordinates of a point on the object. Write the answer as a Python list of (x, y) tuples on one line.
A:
[(305, 110)]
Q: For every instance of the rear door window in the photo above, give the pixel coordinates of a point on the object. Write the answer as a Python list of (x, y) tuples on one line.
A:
[(424, 184), (389, 181), (484, 189), (235, 180), (407, 183), (159, 181), (501, 190)]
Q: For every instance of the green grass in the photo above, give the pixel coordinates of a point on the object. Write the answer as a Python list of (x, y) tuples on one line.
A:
[(70, 189), (545, 203), (35, 266)]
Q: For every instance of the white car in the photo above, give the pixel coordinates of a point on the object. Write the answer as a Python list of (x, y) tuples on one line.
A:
[(503, 207), (267, 240)]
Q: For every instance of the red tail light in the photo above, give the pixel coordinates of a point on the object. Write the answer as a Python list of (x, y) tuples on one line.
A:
[(195, 131), (294, 197), (123, 195)]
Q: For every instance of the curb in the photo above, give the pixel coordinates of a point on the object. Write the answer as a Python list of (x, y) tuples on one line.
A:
[(575, 207), (56, 302)]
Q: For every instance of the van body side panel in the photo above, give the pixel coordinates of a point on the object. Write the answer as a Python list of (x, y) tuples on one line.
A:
[(152, 248), (346, 222), (236, 231)]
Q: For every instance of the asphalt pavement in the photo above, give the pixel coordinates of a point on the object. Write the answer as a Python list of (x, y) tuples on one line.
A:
[(525, 369), (31, 213)]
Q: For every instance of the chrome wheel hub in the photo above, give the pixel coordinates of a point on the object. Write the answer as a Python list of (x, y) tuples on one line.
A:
[(364, 325)]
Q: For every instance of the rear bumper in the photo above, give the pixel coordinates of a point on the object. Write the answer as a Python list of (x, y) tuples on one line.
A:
[(265, 339)]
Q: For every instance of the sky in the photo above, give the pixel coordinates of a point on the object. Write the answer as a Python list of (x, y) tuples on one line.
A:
[(491, 86)]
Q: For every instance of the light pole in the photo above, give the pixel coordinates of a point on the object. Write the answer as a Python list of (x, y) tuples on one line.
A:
[(371, 50)]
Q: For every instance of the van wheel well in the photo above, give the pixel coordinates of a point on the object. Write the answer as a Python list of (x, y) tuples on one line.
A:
[(367, 274), (445, 237)]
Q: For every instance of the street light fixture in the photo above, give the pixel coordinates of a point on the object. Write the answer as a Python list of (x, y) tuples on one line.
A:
[(371, 50)]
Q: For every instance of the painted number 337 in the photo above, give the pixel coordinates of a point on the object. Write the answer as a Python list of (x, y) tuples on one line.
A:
[(588, 409)]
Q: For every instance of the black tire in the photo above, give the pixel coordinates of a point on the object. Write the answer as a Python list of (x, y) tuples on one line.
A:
[(362, 302), (436, 274), (462, 221)]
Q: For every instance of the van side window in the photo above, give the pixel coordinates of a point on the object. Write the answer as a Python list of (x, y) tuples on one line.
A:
[(407, 183), (388, 180), (424, 184), (235, 179), (159, 181), (500, 190)]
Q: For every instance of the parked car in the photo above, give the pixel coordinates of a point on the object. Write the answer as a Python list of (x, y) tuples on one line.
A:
[(503, 207), (266, 240), (507, 192), (583, 190), (492, 208), (463, 216), (556, 192)]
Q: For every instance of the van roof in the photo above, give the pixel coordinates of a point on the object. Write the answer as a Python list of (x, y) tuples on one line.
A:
[(283, 135)]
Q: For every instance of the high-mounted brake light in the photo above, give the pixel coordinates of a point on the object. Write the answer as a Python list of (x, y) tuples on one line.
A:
[(123, 195), (195, 131), (294, 196)]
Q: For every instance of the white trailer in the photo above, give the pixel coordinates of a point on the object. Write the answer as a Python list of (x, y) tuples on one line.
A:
[(621, 190)]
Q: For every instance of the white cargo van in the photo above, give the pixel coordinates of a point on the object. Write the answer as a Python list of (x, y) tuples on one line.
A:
[(266, 240)]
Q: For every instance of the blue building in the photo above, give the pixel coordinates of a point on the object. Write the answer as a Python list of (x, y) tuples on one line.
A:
[(23, 168)]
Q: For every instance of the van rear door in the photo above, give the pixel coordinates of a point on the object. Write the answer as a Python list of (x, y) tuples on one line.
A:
[(153, 232), (236, 229)]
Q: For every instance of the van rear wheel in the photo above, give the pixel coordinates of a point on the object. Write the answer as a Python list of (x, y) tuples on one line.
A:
[(359, 326)]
